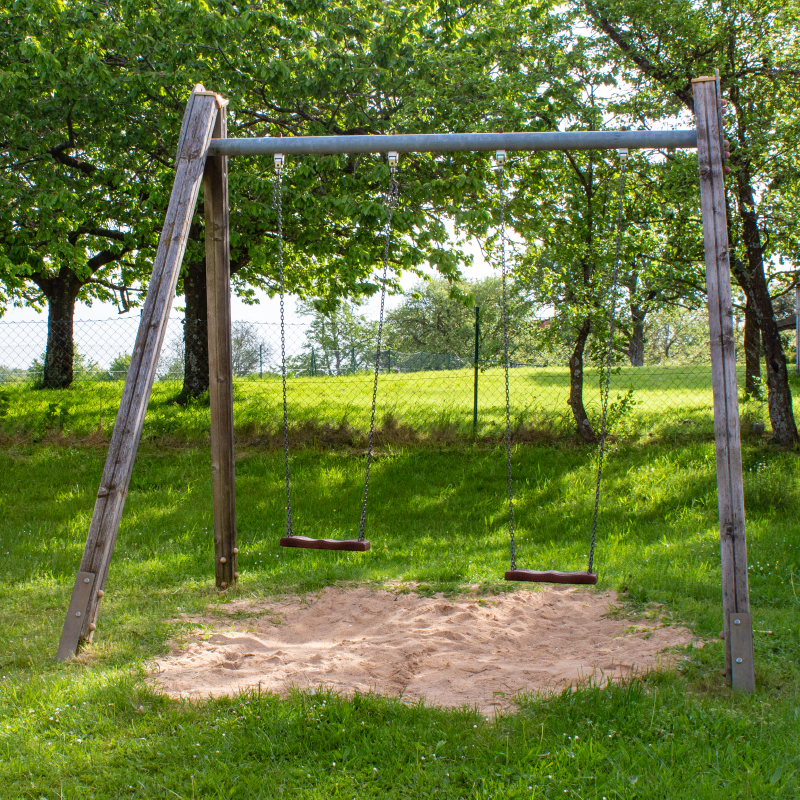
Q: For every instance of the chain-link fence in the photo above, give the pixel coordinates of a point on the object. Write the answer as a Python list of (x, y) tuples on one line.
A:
[(331, 386)]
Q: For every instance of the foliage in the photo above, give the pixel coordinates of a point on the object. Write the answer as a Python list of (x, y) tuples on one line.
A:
[(84, 368), (119, 366), (439, 317), (337, 341), (249, 350)]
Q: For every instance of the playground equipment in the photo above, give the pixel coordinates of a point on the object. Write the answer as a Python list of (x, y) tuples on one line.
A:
[(203, 153)]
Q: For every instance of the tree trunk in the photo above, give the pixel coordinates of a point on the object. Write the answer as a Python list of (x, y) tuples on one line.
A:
[(752, 352), (576, 384), (636, 343), (61, 292), (195, 331), (779, 398)]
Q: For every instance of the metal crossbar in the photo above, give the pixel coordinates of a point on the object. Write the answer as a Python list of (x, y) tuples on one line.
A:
[(456, 142)]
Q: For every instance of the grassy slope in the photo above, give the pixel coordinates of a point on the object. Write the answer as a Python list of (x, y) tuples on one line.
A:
[(91, 729), (662, 396)]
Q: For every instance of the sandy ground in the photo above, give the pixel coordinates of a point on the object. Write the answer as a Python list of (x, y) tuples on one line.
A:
[(475, 650)]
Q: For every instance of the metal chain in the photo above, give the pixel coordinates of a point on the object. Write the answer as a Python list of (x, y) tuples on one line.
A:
[(390, 201), (501, 187), (277, 202), (609, 359)]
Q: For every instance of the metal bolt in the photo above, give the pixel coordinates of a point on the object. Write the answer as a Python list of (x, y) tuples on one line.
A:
[(737, 622), (738, 660), (91, 626), (86, 580), (235, 574), (223, 585), (235, 550), (223, 560), (100, 592), (77, 613), (392, 157)]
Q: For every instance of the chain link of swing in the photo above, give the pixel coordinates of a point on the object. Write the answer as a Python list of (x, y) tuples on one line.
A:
[(623, 158), (277, 203), (390, 201), (500, 160)]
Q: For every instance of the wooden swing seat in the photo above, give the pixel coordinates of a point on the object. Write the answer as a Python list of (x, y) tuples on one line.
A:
[(352, 545), (551, 576)]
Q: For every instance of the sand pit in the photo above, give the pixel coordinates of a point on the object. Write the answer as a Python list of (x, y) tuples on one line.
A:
[(475, 650)]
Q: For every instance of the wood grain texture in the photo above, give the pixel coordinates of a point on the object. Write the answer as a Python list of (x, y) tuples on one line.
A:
[(733, 543), (114, 483), (220, 357), (551, 576), (351, 545)]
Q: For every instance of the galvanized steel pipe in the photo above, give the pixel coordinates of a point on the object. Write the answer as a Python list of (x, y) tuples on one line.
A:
[(455, 142)]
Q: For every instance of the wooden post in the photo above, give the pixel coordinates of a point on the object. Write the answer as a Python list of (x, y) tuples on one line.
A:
[(196, 134), (733, 544), (220, 358)]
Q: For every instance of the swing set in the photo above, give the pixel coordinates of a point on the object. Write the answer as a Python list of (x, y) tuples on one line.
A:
[(203, 152)]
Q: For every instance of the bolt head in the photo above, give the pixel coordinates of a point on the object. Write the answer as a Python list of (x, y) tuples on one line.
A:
[(223, 585), (86, 580), (91, 626), (738, 660), (223, 560), (737, 622), (235, 550), (235, 574), (77, 613), (100, 592)]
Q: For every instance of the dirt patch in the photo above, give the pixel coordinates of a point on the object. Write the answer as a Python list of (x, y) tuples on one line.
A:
[(451, 652)]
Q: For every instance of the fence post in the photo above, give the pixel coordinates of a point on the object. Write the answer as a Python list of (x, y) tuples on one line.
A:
[(475, 398), (389, 359), (261, 361), (353, 358), (797, 328), (313, 369)]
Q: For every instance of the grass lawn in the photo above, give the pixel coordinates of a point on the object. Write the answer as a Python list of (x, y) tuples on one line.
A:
[(93, 729), (435, 403)]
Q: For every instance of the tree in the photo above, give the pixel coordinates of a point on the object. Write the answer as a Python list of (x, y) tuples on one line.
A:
[(660, 48), (73, 211), (439, 317), (340, 339), (249, 350)]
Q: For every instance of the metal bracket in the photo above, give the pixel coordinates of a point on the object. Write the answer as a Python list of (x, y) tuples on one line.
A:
[(742, 670), (76, 616)]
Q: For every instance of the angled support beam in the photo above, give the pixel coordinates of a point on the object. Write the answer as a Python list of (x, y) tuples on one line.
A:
[(196, 132), (220, 358), (733, 543)]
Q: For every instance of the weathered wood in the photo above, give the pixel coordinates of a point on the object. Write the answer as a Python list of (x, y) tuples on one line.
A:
[(350, 545), (220, 358), (733, 544), (551, 576), (152, 329)]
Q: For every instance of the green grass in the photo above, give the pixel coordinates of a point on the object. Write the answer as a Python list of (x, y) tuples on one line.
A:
[(93, 729), (426, 402)]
